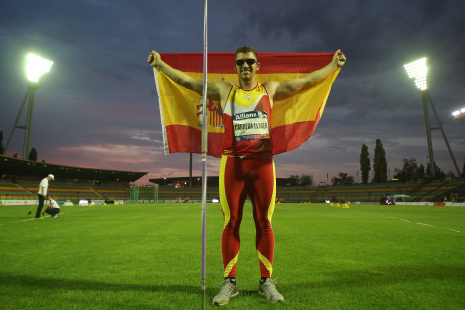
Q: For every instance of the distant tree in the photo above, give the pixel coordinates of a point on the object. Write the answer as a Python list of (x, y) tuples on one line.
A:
[(409, 171), (43, 160), (421, 172), (32, 155), (306, 180), (302, 180), (343, 179), (293, 180), (463, 171), (379, 163), (439, 173), (365, 166), (2, 149), (16, 155)]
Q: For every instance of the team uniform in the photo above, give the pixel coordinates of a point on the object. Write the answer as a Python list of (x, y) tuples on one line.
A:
[(247, 168)]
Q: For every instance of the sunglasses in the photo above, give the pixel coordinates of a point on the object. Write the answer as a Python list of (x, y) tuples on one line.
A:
[(250, 62)]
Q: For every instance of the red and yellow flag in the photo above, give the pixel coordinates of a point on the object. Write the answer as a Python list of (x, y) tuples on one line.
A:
[(292, 122)]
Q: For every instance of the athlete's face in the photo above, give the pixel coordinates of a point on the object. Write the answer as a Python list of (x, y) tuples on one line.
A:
[(244, 69)]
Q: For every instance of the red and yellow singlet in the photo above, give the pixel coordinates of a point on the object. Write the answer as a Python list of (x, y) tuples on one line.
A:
[(247, 123)]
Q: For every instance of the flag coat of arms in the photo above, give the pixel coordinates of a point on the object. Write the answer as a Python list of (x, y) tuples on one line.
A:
[(293, 120)]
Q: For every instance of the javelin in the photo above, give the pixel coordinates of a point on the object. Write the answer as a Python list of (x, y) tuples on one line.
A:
[(204, 159)]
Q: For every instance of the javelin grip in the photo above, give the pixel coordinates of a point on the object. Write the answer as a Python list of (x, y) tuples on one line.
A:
[(204, 141)]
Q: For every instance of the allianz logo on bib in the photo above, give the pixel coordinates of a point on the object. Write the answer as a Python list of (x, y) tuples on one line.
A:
[(249, 115)]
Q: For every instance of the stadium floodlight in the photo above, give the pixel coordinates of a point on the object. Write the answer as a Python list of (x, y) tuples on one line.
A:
[(36, 68), (417, 71), (459, 115)]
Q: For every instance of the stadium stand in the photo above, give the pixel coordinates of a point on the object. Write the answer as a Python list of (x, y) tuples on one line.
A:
[(295, 193), (14, 191), (63, 191), (113, 192), (435, 191), (183, 193), (19, 179), (368, 193)]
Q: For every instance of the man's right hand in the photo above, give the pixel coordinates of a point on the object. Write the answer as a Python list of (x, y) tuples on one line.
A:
[(154, 59)]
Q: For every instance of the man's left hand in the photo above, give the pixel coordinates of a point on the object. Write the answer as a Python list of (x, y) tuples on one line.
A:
[(339, 58)]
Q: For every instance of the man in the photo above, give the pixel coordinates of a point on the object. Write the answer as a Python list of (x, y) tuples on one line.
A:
[(42, 194), (53, 208), (247, 166)]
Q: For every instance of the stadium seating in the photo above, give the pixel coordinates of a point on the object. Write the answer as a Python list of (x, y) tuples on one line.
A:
[(14, 191), (181, 194), (369, 193), (113, 192), (61, 191)]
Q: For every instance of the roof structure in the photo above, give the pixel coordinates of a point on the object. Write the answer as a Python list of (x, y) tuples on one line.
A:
[(29, 168)]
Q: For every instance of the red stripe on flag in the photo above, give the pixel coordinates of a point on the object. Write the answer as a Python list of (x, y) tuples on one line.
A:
[(270, 63), (185, 139), (289, 137)]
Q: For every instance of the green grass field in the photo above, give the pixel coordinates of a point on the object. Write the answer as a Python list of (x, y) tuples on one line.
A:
[(149, 257)]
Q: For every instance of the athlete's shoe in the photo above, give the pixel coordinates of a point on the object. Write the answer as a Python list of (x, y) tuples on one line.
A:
[(54, 216), (228, 290), (268, 289)]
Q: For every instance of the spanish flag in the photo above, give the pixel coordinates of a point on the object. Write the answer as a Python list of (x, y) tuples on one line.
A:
[(293, 120)]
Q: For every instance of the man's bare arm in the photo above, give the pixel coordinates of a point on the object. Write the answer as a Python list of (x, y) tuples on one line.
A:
[(283, 90), (214, 90)]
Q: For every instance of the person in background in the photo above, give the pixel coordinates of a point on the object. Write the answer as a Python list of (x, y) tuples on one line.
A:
[(53, 209), (42, 194)]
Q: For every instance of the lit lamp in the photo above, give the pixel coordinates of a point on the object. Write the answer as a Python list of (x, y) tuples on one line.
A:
[(417, 71), (36, 68), (459, 115)]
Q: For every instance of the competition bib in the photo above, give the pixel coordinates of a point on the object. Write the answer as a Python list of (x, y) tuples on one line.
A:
[(251, 125)]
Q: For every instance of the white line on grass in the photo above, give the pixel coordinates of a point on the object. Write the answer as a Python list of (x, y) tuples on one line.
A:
[(409, 222), (424, 224)]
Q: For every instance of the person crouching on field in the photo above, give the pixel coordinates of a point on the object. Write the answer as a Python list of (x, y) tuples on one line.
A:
[(53, 209)]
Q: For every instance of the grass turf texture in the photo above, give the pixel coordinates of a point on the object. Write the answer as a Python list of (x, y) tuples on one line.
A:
[(149, 257)]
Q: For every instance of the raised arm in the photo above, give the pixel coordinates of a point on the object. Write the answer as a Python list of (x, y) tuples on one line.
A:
[(214, 90), (283, 90)]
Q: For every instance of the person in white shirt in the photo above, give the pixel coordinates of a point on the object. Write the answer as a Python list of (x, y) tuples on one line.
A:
[(53, 209), (42, 193)]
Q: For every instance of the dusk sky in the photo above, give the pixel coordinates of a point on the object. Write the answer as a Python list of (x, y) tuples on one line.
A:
[(98, 106)]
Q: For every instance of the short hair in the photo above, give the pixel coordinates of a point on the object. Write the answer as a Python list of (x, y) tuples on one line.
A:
[(246, 49)]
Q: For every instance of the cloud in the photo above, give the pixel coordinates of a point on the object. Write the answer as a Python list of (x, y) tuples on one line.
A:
[(456, 79)]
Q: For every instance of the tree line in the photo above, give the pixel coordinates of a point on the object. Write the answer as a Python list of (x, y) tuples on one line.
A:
[(380, 167)]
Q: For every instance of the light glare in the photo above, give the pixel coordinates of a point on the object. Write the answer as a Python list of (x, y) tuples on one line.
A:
[(36, 67), (462, 110), (417, 70), (456, 113)]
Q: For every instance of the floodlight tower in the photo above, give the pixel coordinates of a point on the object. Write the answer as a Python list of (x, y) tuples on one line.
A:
[(417, 71), (36, 68)]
